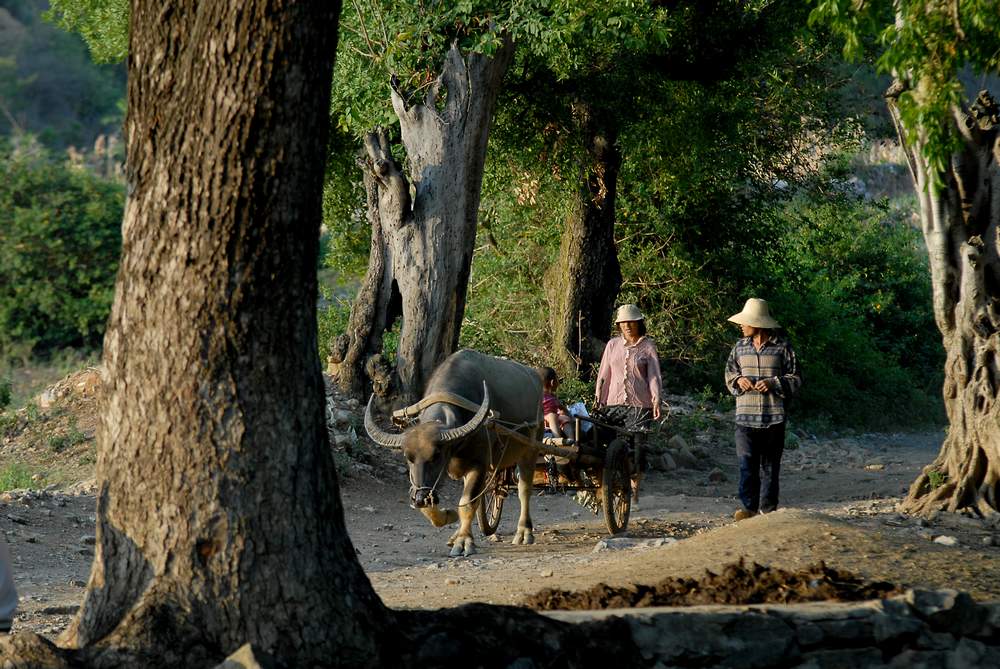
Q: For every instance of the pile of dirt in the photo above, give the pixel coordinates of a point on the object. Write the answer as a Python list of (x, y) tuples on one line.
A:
[(737, 584)]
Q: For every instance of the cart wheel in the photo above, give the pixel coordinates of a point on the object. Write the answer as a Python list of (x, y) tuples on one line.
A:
[(616, 486), (491, 504)]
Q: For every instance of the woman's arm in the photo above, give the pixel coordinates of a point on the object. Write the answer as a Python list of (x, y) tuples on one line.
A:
[(603, 376), (655, 380)]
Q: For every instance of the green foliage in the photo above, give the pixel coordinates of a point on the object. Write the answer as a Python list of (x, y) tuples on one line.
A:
[(573, 390), (15, 476), (936, 478), (852, 288), (6, 393), (410, 38), (60, 238), (332, 315), (925, 44), (60, 442), (344, 214), (103, 24)]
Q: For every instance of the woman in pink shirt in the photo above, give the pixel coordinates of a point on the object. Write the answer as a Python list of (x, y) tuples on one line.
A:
[(629, 383)]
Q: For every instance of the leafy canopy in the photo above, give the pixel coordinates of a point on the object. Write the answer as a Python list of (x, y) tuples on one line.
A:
[(409, 39), (924, 44), (103, 24)]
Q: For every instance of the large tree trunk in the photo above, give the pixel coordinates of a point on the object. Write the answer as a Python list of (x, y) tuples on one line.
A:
[(581, 288), (213, 467), (423, 228), (960, 215)]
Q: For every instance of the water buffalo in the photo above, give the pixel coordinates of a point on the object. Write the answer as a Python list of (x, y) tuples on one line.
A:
[(453, 439)]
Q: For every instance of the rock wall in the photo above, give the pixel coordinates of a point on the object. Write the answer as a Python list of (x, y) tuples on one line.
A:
[(922, 628)]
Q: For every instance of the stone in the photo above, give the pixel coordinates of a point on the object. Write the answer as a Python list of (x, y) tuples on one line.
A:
[(88, 540), (46, 399), (615, 544), (623, 543), (746, 639), (948, 610), (677, 442), (946, 540), (971, 653), (667, 462), (685, 459), (874, 467), (248, 657), (342, 418), (844, 658), (916, 659), (522, 663), (717, 476)]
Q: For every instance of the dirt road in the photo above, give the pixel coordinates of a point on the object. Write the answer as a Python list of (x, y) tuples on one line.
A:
[(838, 504)]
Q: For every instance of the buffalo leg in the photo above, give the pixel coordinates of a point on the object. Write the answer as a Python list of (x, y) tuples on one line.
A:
[(439, 517), (525, 477), (461, 542)]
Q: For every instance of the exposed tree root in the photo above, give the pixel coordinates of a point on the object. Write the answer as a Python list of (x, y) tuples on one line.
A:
[(27, 650)]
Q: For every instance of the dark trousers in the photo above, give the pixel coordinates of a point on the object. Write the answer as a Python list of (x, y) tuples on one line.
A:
[(759, 452), (633, 419)]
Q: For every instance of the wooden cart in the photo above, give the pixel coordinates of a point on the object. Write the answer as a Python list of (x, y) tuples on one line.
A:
[(600, 462)]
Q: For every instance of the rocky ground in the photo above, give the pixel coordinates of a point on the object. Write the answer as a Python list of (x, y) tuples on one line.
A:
[(839, 502)]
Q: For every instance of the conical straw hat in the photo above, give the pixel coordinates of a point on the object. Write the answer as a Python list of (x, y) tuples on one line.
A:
[(755, 314)]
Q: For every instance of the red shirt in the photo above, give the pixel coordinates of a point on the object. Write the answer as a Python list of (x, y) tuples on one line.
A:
[(550, 403)]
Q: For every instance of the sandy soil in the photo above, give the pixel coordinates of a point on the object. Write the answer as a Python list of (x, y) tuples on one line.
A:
[(838, 505)]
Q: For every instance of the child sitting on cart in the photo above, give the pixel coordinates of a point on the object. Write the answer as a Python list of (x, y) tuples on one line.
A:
[(557, 419)]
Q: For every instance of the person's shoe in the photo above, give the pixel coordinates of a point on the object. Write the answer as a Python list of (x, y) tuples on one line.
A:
[(743, 514)]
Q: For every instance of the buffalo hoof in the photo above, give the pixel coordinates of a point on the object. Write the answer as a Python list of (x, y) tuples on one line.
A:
[(523, 536), (495, 538), (463, 547)]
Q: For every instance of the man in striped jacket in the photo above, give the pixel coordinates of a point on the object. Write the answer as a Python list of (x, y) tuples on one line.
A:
[(762, 373)]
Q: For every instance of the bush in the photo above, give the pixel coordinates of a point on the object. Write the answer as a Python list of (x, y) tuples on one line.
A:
[(60, 239), (850, 282), (6, 393), (15, 476)]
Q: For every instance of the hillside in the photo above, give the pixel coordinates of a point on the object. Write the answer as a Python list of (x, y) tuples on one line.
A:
[(49, 87)]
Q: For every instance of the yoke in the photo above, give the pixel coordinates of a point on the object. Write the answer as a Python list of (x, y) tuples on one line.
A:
[(402, 416)]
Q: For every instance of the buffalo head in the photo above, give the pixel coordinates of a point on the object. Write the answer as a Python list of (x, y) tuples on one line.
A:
[(427, 448)]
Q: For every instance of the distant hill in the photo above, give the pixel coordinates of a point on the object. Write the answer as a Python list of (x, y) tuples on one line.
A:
[(49, 87)]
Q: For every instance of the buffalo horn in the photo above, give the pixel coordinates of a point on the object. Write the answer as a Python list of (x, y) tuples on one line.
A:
[(472, 425), (378, 435)]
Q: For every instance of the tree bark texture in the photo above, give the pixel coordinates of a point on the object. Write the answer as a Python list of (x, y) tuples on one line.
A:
[(423, 228), (582, 286), (219, 519), (960, 216)]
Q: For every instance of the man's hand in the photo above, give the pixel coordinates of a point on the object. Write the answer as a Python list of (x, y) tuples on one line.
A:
[(762, 386), (656, 410), (744, 384)]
